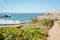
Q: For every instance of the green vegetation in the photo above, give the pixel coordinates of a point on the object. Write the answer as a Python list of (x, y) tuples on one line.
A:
[(48, 23), (29, 33), (33, 32)]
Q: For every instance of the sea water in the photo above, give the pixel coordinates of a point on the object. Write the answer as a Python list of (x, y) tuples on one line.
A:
[(18, 17)]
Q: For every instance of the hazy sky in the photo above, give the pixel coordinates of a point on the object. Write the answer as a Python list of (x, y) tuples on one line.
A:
[(29, 6)]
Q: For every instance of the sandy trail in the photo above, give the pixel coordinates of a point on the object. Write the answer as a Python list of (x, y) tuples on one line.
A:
[(54, 32)]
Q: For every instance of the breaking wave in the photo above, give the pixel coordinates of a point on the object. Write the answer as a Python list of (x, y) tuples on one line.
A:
[(10, 22)]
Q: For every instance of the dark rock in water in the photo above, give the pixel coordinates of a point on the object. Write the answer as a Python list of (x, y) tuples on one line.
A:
[(5, 16)]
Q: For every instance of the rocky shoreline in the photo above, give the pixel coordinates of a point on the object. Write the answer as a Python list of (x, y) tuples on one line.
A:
[(51, 16)]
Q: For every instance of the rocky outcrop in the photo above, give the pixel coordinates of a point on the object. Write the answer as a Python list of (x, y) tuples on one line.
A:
[(5, 16), (53, 16)]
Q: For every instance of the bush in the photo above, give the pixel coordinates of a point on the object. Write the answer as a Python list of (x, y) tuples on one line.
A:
[(47, 22), (28, 33)]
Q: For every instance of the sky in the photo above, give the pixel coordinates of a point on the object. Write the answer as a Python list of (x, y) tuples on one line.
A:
[(29, 6)]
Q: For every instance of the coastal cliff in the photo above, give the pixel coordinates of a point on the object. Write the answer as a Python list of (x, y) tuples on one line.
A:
[(51, 16)]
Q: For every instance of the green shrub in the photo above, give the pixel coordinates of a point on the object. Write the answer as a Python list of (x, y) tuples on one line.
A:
[(28, 33), (47, 22)]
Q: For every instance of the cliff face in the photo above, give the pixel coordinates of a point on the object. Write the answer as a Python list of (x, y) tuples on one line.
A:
[(53, 16)]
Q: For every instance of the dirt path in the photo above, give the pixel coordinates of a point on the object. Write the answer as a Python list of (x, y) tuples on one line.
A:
[(54, 32)]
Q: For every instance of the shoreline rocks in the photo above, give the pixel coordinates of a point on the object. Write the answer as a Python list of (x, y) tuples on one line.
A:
[(51, 16)]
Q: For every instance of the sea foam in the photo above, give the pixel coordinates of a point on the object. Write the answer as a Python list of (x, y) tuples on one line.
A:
[(10, 22)]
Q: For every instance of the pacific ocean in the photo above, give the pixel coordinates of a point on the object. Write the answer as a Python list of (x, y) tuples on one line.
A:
[(18, 17)]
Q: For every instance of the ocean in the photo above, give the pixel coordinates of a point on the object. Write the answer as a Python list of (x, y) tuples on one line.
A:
[(17, 18)]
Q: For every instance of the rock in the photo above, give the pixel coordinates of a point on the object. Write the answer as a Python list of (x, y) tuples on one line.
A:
[(51, 16)]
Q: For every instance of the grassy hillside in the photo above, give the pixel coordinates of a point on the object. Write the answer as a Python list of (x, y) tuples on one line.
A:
[(36, 31)]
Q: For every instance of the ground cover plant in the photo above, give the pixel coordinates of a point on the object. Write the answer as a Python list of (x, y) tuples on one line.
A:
[(29, 33)]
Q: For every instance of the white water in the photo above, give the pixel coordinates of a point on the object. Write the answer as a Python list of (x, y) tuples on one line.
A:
[(10, 22)]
